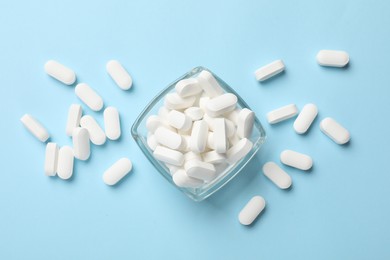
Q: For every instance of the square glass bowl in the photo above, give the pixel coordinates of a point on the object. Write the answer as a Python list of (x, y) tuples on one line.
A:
[(140, 133)]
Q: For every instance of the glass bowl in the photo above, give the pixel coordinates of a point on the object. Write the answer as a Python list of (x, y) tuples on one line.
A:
[(140, 133)]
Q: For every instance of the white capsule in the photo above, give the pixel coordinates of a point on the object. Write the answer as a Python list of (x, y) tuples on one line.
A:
[(89, 96), (335, 131), (213, 157), (297, 160), (172, 168), (200, 170), (199, 136), (233, 116), (277, 175), (305, 118), (153, 122), (332, 58), (188, 87), (210, 121), (195, 113), (174, 101), (245, 122), (239, 150), (282, 113), (152, 142), (234, 140), (188, 156), (179, 120), (163, 113), (209, 84), (65, 162), (251, 210), (74, 115), (221, 105), (112, 125), (230, 128), (60, 72), (119, 74), (117, 171), (167, 155), (181, 179), (81, 146), (210, 140), (220, 142), (203, 103), (185, 147), (35, 128), (96, 133), (168, 138), (269, 70), (51, 157)]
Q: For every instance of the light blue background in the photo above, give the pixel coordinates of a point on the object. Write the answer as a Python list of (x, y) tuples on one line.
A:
[(340, 210)]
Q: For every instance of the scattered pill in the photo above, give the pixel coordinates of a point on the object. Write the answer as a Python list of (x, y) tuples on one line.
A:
[(89, 96), (96, 134), (222, 104), (74, 116), (332, 58), (281, 114), (239, 150), (297, 160), (51, 156), (81, 146), (117, 171), (209, 84), (334, 131), (119, 74), (277, 175), (200, 170), (179, 120), (60, 72), (251, 210), (199, 136), (35, 127), (188, 87), (305, 118), (168, 138), (112, 125), (245, 121), (220, 140), (269, 70), (65, 162), (167, 155), (181, 179)]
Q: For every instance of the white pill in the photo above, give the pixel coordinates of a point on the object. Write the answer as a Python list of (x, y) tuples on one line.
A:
[(297, 160), (305, 118), (172, 168), (188, 87), (112, 125), (117, 171), (168, 138), (181, 179), (153, 122), (188, 156), (277, 175), (209, 84), (251, 210), (74, 116), (335, 131), (167, 155), (81, 146), (179, 120), (210, 121), (245, 121), (152, 142), (213, 157), (36, 128), (239, 150), (233, 140), (332, 58), (230, 128), (174, 101), (203, 102), (51, 157), (222, 104), (89, 96), (220, 140), (199, 136), (233, 116), (200, 170), (210, 140), (269, 70), (163, 113), (60, 72), (195, 113), (119, 74), (283, 113), (186, 143), (65, 162), (96, 133)]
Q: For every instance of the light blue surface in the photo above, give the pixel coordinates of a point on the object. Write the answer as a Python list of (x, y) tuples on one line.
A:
[(340, 210)]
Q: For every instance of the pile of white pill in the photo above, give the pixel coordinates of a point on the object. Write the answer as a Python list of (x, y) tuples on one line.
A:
[(83, 129), (200, 131)]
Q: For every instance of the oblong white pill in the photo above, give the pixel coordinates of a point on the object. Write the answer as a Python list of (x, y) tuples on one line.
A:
[(51, 157), (210, 121), (74, 115), (35, 128), (239, 150), (203, 102), (245, 122), (282, 113), (210, 140), (163, 113), (174, 101), (152, 142), (96, 133), (81, 145), (305, 118), (167, 155), (251, 210), (89, 96), (297, 160), (230, 128), (220, 138), (119, 74), (60, 72), (181, 179), (112, 124), (277, 175), (233, 116), (153, 122), (332, 58), (179, 120), (222, 104), (200, 170), (168, 138), (195, 113), (213, 157), (65, 162), (269, 70), (117, 171), (188, 156), (209, 84), (199, 136), (335, 131), (188, 87)]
